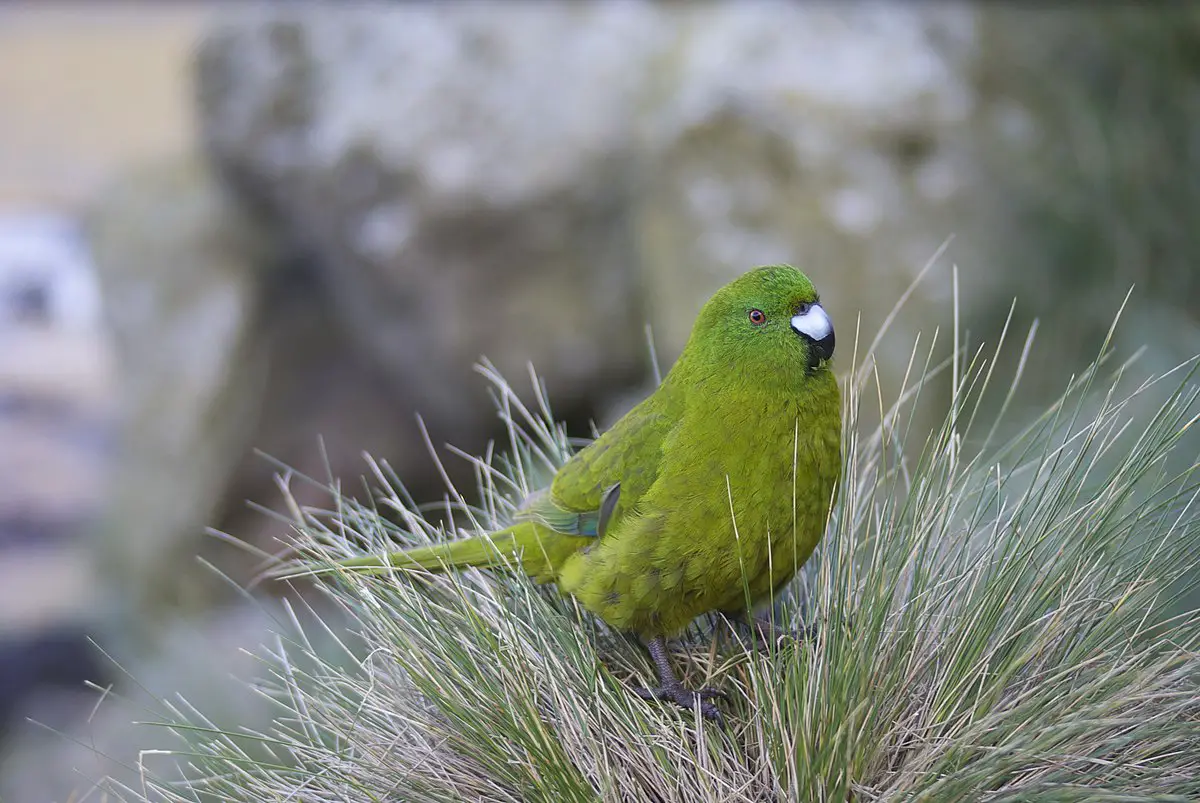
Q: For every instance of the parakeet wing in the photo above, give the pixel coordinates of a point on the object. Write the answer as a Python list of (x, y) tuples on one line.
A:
[(610, 475)]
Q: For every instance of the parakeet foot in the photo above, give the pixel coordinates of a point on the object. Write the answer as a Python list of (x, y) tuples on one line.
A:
[(687, 698), (673, 691), (768, 632)]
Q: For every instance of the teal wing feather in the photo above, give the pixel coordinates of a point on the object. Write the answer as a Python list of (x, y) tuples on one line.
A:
[(540, 507)]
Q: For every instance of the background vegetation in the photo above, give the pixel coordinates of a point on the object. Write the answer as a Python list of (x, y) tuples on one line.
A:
[(990, 623)]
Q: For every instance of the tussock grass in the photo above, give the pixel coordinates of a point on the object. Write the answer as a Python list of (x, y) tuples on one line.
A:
[(991, 622)]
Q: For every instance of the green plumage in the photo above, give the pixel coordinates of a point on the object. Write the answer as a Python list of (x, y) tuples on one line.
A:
[(723, 479), (726, 474)]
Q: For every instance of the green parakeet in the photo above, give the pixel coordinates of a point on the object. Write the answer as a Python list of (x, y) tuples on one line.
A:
[(707, 496)]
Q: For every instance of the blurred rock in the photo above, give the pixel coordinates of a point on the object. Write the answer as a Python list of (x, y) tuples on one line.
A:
[(227, 350), (181, 269), (538, 182), (324, 404), (813, 134), (1088, 146), (460, 176)]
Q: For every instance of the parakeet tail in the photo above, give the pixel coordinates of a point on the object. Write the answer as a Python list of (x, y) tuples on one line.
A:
[(483, 551), (529, 546)]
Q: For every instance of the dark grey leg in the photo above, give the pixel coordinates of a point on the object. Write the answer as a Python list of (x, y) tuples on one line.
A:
[(671, 689)]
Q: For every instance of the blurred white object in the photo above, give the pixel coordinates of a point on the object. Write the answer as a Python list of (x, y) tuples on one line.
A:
[(46, 275)]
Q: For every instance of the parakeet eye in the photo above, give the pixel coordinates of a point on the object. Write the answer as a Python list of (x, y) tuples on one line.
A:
[(757, 317), (803, 308)]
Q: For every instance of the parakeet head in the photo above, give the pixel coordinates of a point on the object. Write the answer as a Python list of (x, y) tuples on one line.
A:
[(767, 323)]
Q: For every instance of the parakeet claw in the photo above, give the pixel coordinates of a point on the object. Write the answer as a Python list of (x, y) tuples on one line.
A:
[(687, 698), (673, 691)]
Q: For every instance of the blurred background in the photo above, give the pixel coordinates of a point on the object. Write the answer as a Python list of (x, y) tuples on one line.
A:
[(291, 227)]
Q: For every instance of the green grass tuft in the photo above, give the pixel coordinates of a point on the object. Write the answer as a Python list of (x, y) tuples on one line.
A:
[(992, 622)]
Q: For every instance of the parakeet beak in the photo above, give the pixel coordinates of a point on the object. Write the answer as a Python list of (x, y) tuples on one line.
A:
[(813, 325)]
